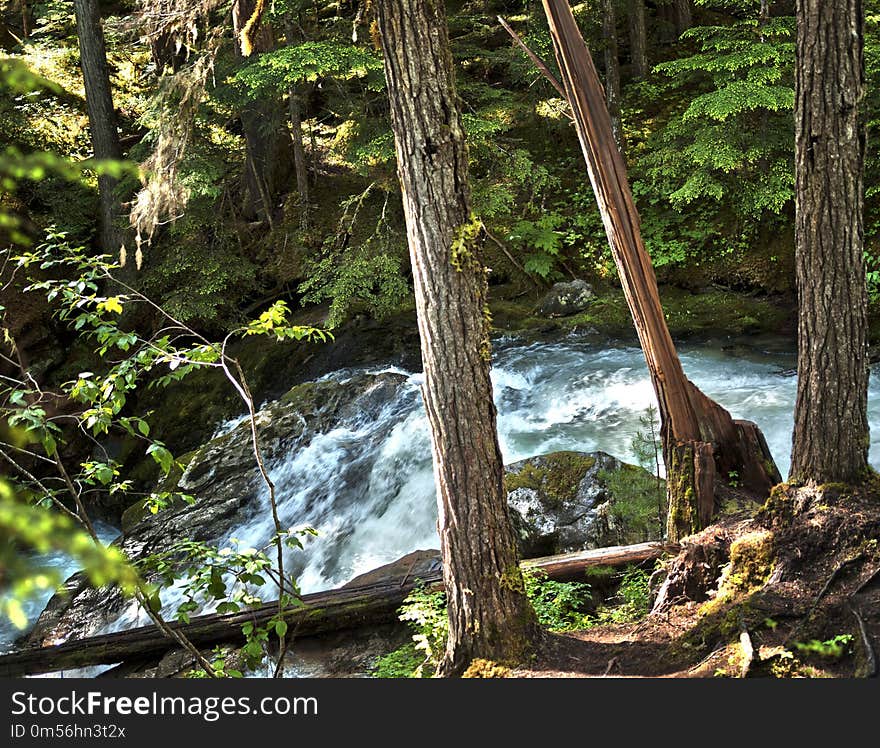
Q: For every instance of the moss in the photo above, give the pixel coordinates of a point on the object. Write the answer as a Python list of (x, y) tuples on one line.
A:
[(556, 477), (404, 662), (462, 255), (512, 579), (687, 314), (751, 563), (480, 668), (683, 518)]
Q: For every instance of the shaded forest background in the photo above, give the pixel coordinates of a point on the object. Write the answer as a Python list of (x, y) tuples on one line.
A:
[(706, 128)]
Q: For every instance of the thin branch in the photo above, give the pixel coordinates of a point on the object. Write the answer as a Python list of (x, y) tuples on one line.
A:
[(494, 240), (538, 62)]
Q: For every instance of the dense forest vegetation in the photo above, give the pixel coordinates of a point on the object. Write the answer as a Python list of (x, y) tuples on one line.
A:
[(205, 204)]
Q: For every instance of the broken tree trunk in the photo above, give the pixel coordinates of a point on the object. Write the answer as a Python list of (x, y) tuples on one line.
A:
[(700, 439), (334, 610)]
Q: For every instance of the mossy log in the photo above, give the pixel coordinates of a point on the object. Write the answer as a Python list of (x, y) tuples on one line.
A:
[(334, 610)]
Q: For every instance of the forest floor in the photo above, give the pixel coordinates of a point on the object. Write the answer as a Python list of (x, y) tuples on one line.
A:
[(796, 593)]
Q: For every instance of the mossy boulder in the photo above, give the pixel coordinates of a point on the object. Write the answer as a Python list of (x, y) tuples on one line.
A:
[(559, 502), (565, 299), (223, 477)]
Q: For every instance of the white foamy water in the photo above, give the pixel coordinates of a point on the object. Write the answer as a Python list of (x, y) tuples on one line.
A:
[(65, 566), (367, 486)]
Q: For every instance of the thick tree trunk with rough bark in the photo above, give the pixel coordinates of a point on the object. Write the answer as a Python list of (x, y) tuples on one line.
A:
[(102, 118), (489, 614), (700, 439), (612, 70), (831, 438), (638, 38)]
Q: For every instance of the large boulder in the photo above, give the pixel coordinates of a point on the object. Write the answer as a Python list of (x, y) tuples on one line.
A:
[(224, 478), (561, 502), (565, 299)]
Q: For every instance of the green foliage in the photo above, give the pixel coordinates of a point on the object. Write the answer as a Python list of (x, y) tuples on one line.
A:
[(278, 70), (540, 242), (833, 648), (404, 662), (425, 612), (560, 606), (33, 528), (634, 596), (728, 147), (637, 507), (75, 283), (201, 278), (362, 281)]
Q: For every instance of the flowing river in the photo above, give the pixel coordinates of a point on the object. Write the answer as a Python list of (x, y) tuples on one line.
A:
[(367, 485)]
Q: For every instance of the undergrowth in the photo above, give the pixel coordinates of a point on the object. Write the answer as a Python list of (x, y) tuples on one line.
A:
[(560, 607)]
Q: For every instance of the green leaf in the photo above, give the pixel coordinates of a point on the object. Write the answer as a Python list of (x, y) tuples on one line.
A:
[(162, 456)]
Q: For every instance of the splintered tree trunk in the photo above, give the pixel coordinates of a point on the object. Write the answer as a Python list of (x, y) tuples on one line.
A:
[(259, 120), (638, 39), (489, 614), (102, 118), (831, 438), (612, 70), (700, 439)]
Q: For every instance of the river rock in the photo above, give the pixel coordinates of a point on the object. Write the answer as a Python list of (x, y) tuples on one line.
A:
[(411, 566), (560, 502), (339, 654), (224, 478), (565, 299)]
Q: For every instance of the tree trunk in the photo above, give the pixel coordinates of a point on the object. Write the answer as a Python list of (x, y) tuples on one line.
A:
[(700, 439), (831, 438), (102, 118), (684, 15), (489, 614), (294, 107), (638, 39), (612, 70), (299, 156), (259, 122), (25, 19)]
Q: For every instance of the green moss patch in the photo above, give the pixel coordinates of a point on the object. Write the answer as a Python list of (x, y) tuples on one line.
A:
[(556, 477)]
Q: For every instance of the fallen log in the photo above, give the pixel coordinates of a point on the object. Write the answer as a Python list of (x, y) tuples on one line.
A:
[(320, 612), (570, 566)]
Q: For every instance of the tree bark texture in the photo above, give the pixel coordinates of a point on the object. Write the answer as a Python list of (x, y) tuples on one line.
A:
[(261, 123), (612, 70), (830, 442), (489, 614), (638, 38), (696, 431), (300, 166), (102, 118), (684, 15)]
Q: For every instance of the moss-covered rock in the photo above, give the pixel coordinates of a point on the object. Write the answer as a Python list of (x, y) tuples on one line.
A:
[(704, 313), (223, 477), (560, 502)]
